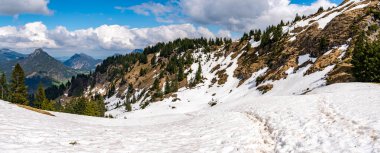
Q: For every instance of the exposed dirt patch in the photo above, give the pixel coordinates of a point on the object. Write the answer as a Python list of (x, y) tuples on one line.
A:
[(222, 75), (35, 110), (265, 88)]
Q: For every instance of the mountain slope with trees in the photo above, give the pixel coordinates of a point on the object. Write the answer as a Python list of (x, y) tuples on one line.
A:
[(40, 67), (290, 58)]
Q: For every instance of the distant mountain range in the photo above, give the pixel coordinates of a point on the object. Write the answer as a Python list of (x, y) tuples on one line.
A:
[(40, 67), (9, 55), (82, 62)]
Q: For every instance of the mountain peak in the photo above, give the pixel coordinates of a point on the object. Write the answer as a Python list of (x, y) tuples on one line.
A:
[(81, 61), (38, 52), (81, 55)]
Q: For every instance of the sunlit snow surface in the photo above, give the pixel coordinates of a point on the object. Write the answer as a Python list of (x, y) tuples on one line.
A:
[(336, 118)]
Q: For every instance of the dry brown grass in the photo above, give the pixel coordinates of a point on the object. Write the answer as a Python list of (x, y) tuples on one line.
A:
[(35, 110), (265, 88)]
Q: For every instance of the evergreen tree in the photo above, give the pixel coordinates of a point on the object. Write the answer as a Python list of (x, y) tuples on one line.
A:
[(111, 91), (257, 35), (40, 97), (174, 85), (198, 75), (19, 90), (128, 106), (366, 60), (323, 44), (320, 10), (48, 105), (297, 18), (3, 87), (153, 60), (130, 88), (181, 74), (156, 85), (167, 86)]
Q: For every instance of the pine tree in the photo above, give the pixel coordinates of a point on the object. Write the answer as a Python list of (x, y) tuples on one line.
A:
[(156, 84), (40, 97), (320, 10), (174, 85), (47, 105), (18, 88), (181, 74), (128, 106), (153, 60), (3, 87), (366, 60), (323, 44), (167, 86), (257, 36), (198, 75), (297, 18)]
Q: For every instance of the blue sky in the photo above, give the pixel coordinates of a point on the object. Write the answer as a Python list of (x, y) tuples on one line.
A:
[(192, 20), (79, 14)]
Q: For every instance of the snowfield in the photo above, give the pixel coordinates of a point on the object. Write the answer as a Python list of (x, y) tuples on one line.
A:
[(336, 118)]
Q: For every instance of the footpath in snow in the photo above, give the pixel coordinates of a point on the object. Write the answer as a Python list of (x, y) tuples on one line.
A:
[(336, 118)]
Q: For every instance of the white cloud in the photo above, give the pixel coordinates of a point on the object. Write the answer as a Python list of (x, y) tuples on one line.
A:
[(29, 36), (17, 7), (234, 15), (163, 13), (224, 33), (243, 15), (103, 38)]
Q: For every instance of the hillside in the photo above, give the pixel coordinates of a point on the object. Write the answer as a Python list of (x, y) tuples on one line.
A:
[(8, 55), (40, 67), (340, 117), (82, 62), (293, 87), (287, 59)]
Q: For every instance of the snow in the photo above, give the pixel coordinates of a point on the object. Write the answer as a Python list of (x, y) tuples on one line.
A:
[(336, 118), (293, 39), (360, 6), (255, 44), (323, 20), (304, 58)]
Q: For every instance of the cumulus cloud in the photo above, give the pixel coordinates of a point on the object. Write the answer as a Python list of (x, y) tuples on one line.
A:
[(224, 33), (162, 12), (31, 35), (235, 15), (17, 7), (103, 38)]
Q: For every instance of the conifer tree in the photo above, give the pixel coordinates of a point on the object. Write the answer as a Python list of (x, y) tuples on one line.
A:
[(19, 90), (3, 87), (297, 18), (40, 98), (181, 74), (174, 85), (167, 86), (366, 60), (156, 84), (198, 75), (320, 10), (47, 105), (153, 60), (128, 106)]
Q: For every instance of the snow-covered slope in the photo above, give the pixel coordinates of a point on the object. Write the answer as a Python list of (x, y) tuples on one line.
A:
[(336, 118), (245, 67)]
